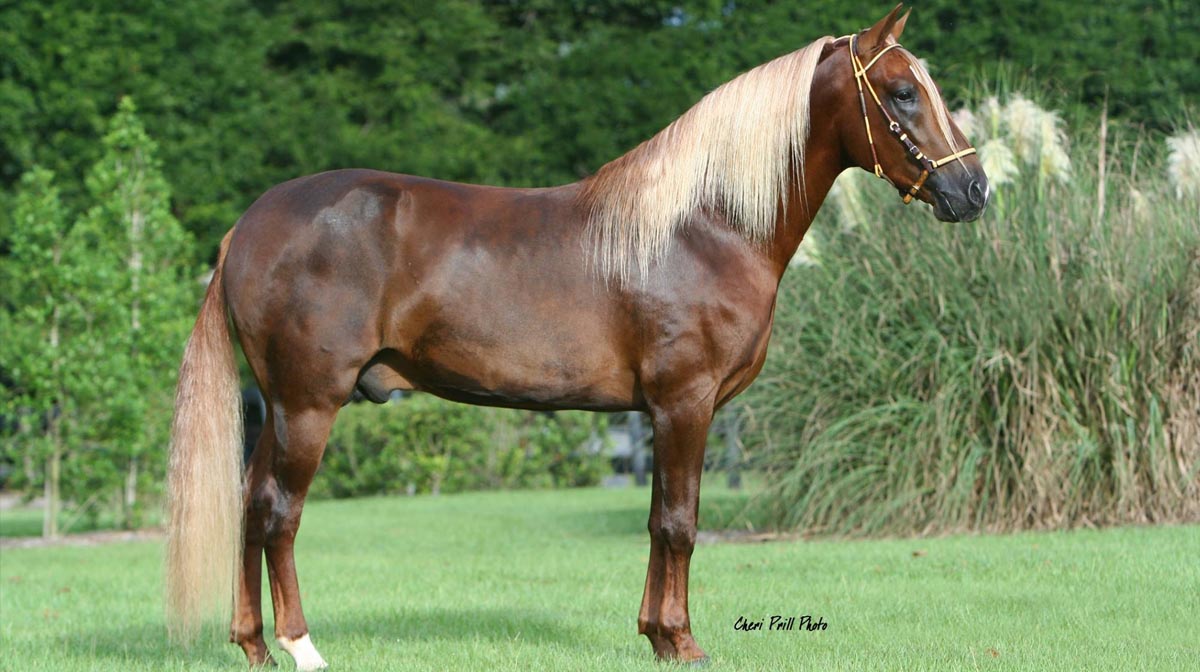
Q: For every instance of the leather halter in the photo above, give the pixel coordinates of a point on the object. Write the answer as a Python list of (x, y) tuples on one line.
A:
[(928, 165)]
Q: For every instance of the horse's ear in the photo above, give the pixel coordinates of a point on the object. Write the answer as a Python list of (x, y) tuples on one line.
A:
[(899, 27), (876, 36)]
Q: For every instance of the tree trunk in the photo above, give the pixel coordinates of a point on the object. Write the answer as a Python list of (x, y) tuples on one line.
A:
[(136, 224), (54, 461), (733, 449), (637, 441), (130, 498), (53, 503)]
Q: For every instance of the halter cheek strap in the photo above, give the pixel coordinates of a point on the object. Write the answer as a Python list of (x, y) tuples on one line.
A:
[(928, 165)]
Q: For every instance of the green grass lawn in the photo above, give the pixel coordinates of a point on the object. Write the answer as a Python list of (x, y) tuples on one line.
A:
[(552, 581)]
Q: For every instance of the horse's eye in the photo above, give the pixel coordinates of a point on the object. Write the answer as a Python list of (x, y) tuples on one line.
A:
[(905, 96)]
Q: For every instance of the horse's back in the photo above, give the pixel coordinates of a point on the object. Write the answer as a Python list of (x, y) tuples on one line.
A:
[(369, 228)]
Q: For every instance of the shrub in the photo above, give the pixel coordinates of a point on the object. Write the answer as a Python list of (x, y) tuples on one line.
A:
[(1037, 368), (425, 444)]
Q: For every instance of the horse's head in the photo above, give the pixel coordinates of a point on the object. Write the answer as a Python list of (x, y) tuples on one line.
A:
[(897, 125)]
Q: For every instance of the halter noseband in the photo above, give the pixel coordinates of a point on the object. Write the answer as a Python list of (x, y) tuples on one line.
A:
[(928, 165)]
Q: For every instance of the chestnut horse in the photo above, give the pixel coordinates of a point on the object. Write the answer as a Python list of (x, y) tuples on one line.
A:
[(648, 286)]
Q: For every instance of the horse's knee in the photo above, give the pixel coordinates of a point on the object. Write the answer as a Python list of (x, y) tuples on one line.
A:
[(677, 533), (654, 524)]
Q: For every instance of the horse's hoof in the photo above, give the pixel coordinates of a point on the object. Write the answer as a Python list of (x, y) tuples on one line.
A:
[(304, 653), (262, 661)]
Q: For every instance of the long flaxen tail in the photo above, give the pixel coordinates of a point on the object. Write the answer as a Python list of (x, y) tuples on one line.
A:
[(204, 481)]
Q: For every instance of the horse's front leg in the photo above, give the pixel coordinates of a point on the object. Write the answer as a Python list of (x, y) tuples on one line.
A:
[(679, 436)]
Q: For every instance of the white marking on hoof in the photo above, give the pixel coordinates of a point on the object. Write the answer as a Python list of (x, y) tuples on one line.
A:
[(304, 653)]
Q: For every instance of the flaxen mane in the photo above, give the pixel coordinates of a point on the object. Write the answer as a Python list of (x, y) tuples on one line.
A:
[(736, 149)]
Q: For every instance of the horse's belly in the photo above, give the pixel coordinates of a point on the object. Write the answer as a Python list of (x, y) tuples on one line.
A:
[(540, 376), (543, 365)]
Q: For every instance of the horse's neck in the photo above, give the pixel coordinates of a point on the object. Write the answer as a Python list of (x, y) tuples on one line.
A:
[(822, 167), (824, 159)]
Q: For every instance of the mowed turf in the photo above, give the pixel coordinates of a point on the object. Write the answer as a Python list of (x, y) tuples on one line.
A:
[(552, 581)]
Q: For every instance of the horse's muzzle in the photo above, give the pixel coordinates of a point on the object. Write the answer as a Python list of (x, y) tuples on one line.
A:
[(963, 201)]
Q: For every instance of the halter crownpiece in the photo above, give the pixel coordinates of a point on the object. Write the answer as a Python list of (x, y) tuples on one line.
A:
[(928, 165)]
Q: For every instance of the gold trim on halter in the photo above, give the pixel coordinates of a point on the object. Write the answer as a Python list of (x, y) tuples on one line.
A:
[(928, 165)]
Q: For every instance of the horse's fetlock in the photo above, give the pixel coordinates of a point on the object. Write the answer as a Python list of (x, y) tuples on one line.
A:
[(240, 633), (674, 625)]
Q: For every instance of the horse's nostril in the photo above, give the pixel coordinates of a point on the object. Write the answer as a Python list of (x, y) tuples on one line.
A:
[(975, 194)]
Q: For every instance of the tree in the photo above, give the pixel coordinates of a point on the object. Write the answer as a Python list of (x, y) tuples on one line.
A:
[(141, 299), (94, 318), (520, 92), (40, 313)]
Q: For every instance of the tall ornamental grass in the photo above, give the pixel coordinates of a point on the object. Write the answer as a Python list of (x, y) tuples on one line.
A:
[(1037, 368)]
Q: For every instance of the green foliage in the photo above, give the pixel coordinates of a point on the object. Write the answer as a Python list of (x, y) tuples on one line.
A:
[(38, 288), (143, 285), (1037, 368), (68, 64), (37, 355), (425, 444), (243, 95), (94, 327)]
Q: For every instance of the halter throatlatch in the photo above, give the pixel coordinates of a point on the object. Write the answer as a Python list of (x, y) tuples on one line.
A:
[(928, 165)]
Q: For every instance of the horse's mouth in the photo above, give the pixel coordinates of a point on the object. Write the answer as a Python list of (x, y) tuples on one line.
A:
[(945, 209)]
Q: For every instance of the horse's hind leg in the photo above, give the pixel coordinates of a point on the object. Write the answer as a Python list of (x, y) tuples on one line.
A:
[(247, 628), (302, 434), (281, 470)]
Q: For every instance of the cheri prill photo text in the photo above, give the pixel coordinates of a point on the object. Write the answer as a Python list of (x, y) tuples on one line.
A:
[(782, 623)]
